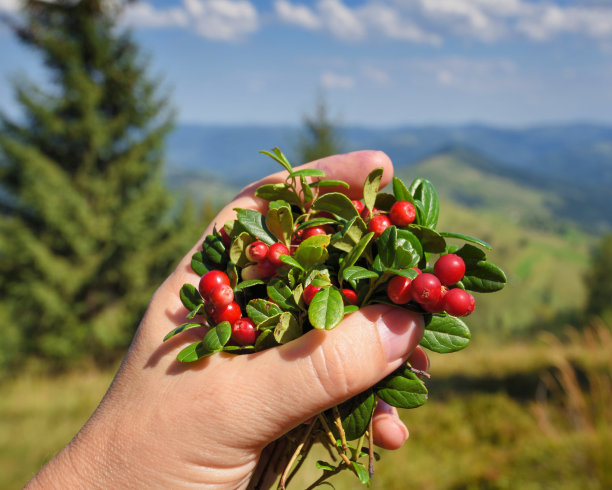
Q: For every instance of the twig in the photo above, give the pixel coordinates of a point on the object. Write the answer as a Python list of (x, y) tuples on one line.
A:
[(338, 424), (418, 372), (295, 455), (371, 448), (331, 437), (299, 464)]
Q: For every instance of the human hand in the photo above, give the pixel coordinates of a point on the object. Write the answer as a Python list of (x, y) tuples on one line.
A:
[(166, 425)]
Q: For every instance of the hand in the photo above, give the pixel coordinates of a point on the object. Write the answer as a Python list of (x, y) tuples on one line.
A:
[(166, 425)]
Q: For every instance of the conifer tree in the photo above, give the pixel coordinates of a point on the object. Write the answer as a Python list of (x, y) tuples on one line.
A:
[(320, 136), (87, 229)]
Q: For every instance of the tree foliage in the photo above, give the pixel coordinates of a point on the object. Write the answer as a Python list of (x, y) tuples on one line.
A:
[(598, 279), (87, 229), (320, 136)]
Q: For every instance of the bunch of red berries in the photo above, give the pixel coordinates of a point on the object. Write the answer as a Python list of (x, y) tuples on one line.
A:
[(315, 257)]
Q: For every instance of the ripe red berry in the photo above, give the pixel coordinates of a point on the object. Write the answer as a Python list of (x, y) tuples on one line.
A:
[(458, 302), (399, 291), (210, 280), (438, 306), (402, 213), (313, 231), (244, 331), (426, 288), (228, 313), (378, 224), (349, 296), (418, 271), (358, 205), (221, 295), (275, 251), (225, 237), (450, 269), (309, 293), (366, 214), (257, 251), (266, 269)]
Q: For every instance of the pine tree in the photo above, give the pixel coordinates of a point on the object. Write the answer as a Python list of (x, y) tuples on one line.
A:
[(320, 137), (87, 229), (598, 280)]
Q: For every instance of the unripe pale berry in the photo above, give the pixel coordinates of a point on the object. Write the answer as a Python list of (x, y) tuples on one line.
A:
[(450, 269), (402, 213), (458, 302), (257, 251), (378, 224), (210, 280), (426, 288)]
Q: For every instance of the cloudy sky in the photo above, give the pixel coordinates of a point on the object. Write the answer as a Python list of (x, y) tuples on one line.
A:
[(378, 62)]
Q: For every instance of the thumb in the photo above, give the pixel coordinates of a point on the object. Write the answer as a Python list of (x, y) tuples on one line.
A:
[(324, 368)]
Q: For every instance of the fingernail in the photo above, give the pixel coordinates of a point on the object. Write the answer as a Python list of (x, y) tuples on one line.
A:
[(397, 331)]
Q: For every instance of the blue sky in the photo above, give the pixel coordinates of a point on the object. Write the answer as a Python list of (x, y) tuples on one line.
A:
[(378, 62)]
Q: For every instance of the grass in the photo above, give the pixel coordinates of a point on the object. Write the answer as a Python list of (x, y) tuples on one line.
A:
[(555, 434)]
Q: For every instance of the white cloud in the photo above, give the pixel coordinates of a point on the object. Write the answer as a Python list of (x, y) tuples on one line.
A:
[(549, 21), (331, 80), (377, 76), (10, 6), (297, 14), (341, 20), (222, 20), (388, 22)]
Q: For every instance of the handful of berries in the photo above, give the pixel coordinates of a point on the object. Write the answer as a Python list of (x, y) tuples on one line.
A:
[(315, 257)]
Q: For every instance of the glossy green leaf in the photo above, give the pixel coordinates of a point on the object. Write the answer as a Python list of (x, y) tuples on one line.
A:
[(192, 353), (217, 337), (348, 309), (422, 190), (401, 192), (354, 255), (287, 329), (335, 203), (471, 254), (190, 297), (324, 465), (466, 238), (312, 251), (355, 273), (279, 221), (329, 183), (265, 340), (387, 246), (316, 222), (213, 250), (287, 259), (247, 284), (260, 310), (402, 389), (371, 186), (349, 235), (281, 294), (355, 414), (181, 328), (326, 309), (483, 277), (196, 311), (198, 263), (278, 155), (308, 172), (445, 334), (431, 240), (384, 201), (254, 223), (409, 250), (272, 192), (362, 473)]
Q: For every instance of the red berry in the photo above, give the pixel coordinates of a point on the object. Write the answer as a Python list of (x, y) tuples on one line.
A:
[(418, 271), (225, 237), (402, 213), (458, 302), (349, 296), (244, 331), (366, 214), (358, 205), (309, 293), (228, 313), (221, 295), (210, 280), (378, 224), (257, 251), (313, 231), (399, 291), (426, 288), (275, 251), (438, 306), (266, 269), (450, 269)]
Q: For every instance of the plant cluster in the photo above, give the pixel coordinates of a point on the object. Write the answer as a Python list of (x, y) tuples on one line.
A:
[(315, 257)]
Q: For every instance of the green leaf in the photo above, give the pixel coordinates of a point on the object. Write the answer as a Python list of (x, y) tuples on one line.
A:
[(260, 310), (431, 240), (247, 284), (306, 190), (213, 250), (355, 273), (287, 259), (354, 255), (424, 191), (196, 311), (308, 172), (217, 337), (313, 251), (402, 389), (471, 254), (445, 334), (351, 232), (326, 309), (324, 465), (198, 263), (483, 277), (278, 155), (409, 250), (316, 222), (190, 297), (265, 340), (254, 223), (466, 238), (401, 192), (355, 414), (387, 246), (329, 183), (192, 352), (371, 186), (281, 294), (279, 221), (362, 473), (335, 203), (237, 251), (272, 192), (287, 329), (384, 201), (181, 328), (348, 309)]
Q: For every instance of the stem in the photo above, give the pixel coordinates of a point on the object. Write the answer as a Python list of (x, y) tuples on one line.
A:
[(371, 448), (418, 372), (338, 424), (295, 455), (358, 450), (331, 437), (299, 464)]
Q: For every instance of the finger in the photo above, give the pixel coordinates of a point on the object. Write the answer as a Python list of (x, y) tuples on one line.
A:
[(389, 431), (324, 368)]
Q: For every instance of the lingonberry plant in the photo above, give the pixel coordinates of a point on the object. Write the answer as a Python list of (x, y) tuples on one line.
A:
[(315, 257)]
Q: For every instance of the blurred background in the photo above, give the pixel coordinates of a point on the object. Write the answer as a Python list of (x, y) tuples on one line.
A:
[(125, 126)]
